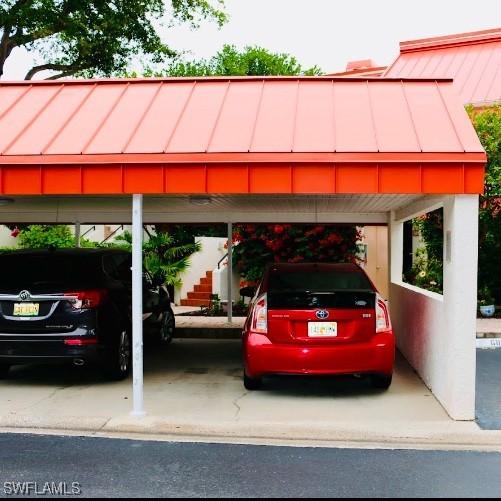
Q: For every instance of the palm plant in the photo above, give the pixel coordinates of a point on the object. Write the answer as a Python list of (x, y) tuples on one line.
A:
[(164, 256)]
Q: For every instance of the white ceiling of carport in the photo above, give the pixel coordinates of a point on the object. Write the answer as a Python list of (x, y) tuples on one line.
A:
[(222, 208)]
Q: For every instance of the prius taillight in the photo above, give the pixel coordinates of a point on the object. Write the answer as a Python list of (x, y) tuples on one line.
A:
[(260, 315), (84, 300), (383, 323)]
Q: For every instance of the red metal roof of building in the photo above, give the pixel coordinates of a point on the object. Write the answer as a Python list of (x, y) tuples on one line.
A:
[(222, 121), (473, 60), (223, 116)]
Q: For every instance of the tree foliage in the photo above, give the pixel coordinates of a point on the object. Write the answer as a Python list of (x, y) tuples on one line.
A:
[(95, 37), (260, 244), (229, 61), (43, 236), (487, 123), (427, 268), (164, 256)]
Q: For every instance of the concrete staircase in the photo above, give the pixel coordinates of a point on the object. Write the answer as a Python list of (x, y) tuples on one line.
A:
[(201, 295)]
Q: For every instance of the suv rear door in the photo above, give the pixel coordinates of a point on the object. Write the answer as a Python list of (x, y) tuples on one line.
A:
[(34, 291)]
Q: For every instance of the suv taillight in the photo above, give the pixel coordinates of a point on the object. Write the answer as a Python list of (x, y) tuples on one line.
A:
[(84, 300), (383, 323), (260, 315)]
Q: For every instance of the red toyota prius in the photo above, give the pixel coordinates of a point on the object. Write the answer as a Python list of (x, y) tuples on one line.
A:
[(318, 319)]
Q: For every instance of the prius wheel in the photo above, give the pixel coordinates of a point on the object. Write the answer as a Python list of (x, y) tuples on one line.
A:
[(381, 381), (252, 383), (4, 371), (167, 327), (119, 362)]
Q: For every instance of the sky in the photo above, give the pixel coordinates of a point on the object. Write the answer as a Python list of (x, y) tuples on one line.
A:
[(327, 33)]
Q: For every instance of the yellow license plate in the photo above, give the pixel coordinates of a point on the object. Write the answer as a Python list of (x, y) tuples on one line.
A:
[(26, 309), (322, 329)]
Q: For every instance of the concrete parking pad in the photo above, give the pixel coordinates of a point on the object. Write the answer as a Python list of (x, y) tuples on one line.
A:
[(193, 387)]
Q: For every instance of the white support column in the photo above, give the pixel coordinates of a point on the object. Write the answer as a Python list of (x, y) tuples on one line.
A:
[(460, 298), (230, 272), (395, 248), (77, 234), (137, 305)]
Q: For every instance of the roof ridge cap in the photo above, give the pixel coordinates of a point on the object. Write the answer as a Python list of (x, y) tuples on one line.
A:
[(454, 40)]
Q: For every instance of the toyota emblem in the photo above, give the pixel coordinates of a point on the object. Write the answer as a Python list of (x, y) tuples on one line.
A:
[(24, 296), (322, 314)]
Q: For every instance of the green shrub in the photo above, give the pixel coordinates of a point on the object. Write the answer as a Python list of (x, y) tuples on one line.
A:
[(260, 244), (43, 236)]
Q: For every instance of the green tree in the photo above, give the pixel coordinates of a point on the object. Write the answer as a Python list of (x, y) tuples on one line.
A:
[(487, 123), (43, 236), (163, 255), (95, 37), (229, 61), (260, 244)]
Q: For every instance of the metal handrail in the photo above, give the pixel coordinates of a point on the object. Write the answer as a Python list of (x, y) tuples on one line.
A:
[(92, 228), (221, 260), (121, 227)]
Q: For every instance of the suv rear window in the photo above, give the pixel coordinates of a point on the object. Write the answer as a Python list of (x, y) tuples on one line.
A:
[(317, 281), (37, 272)]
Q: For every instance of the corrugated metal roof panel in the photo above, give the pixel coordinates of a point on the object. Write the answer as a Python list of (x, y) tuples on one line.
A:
[(394, 124), (355, 130), (315, 105), (241, 106), (82, 124), (257, 115), (473, 60), (198, 119), (160, 119), (275, 122)]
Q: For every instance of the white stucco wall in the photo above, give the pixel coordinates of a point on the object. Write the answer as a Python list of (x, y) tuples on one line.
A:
[(418, 318), (220, 283), (6, 240), (205, 260), (437, 333)]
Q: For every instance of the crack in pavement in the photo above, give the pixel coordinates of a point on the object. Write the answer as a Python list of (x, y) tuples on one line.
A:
[(245, 393), (101, 428)]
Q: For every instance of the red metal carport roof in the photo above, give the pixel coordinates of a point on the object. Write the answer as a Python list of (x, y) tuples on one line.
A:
[(236, 135), (472, 59)]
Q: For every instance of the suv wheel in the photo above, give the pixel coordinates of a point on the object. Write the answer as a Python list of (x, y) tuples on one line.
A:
[(167, 326), (252, 383), (119, 362), (4, 371), (381, 381)]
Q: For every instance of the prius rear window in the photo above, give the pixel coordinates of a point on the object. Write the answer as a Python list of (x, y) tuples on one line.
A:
[(317, 281)]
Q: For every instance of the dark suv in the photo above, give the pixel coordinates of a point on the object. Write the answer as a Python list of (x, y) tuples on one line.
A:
[(74, 305)]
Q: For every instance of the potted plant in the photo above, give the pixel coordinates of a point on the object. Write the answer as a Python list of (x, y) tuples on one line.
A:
[(486, 302)]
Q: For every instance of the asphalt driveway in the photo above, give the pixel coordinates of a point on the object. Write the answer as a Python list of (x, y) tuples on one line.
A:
[(488, 395), (104, 467)]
